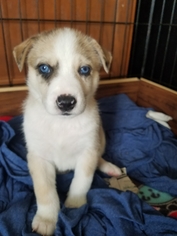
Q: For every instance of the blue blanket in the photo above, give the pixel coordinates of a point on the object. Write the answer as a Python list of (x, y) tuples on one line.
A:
[(145, 148)]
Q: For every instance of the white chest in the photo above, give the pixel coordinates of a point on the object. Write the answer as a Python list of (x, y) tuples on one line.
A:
[(62, 141)]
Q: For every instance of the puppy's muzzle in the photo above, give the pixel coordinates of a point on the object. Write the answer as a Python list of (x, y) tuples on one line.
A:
[(66, 102)]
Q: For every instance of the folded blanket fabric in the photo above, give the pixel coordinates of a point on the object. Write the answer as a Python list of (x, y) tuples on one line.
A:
[(148, 151), (146, 148)]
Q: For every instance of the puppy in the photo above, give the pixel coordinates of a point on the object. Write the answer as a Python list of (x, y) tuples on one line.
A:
[(61, 120)]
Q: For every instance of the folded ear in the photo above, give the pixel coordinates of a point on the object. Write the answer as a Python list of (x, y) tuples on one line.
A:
[(105, 56), (21, 51)]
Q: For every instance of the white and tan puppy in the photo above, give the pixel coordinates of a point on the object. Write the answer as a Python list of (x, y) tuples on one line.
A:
[(61, 120)]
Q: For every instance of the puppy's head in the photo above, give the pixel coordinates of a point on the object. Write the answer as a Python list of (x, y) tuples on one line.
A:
[(63, 69)]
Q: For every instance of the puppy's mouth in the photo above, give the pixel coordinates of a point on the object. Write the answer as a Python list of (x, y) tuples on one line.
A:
[(70, 114), (66, 114)]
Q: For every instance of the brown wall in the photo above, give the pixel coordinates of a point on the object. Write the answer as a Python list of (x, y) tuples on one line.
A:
[(109, 21)]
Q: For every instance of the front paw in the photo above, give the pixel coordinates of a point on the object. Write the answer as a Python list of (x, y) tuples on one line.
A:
[(75, 201), (44, 226)]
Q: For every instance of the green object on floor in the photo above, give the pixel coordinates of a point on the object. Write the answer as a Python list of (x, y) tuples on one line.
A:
[(153, 196)]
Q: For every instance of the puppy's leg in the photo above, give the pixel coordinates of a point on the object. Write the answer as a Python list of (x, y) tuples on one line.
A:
[(82, 180), (43, 175), (103, 165), (108, 168)]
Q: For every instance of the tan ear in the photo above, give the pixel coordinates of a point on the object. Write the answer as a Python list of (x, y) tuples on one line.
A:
[(105, 56), (20, 52)]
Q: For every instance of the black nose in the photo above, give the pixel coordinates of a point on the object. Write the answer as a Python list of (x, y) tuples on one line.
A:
[(66, 102)]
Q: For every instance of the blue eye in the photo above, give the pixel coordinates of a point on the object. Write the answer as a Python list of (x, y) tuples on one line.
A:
[(44, 69), (84, 70)]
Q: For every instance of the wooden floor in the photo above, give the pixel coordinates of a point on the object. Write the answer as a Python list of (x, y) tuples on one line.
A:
[(144, 92)]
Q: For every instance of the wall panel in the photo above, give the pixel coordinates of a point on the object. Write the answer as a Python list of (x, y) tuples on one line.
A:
[(108, 21)]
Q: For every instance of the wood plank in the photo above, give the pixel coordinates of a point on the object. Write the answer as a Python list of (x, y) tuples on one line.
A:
[(121, 50), (126, 10), (11, 102), (10, 9), (3, 57), (118, 86), (160, 98), (13, 37), (11, 98), (145, 93)]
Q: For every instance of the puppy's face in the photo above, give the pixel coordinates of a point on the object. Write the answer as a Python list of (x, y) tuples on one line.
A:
[(63, 69)]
